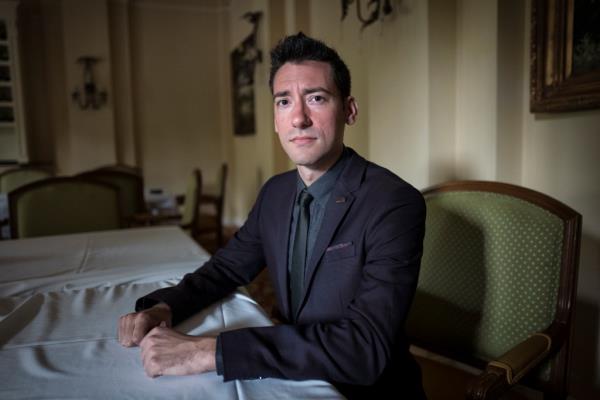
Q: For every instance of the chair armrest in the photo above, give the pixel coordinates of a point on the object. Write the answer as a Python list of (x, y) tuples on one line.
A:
[(523, 357), (501, 374)]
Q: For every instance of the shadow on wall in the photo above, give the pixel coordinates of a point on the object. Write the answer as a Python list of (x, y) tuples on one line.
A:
[(585, 376), (441, 171)]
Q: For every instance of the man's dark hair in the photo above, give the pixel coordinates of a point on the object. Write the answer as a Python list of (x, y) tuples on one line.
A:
[(298, 48)]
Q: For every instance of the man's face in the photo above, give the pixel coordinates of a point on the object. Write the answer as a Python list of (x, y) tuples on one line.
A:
[(310, 114)]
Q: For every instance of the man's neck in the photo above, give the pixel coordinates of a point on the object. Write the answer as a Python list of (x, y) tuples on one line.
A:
[(310, 173)]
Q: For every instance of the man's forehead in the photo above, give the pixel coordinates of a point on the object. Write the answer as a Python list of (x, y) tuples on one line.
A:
[(311, 73)]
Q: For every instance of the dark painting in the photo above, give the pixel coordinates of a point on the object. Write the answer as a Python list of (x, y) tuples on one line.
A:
[(243, 93), (586, 36)]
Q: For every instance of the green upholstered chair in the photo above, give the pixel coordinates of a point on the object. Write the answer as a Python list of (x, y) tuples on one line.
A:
[(494, 304), (64, 205), (123, 168), (188, 214), (190, 210), (211, 222), (15, 178), (131, 189)]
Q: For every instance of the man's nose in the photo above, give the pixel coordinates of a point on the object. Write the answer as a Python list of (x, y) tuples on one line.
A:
[(300, 117)]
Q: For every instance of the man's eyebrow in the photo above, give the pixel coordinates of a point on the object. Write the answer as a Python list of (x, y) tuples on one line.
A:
[(317, 89), (283, 93)]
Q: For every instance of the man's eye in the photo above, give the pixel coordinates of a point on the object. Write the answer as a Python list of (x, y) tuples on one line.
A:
[(317, 99), (282, 102)]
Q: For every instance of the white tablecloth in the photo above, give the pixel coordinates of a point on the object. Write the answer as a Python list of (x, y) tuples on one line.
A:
[(103, 258), (58, 324)]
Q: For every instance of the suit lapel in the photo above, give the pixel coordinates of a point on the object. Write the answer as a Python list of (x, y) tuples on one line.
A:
[(339, 203)]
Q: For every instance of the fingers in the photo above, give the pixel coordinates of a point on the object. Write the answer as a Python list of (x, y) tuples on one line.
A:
[(142, 324), (168, 352), (125, 330), (133, 327), (152, 350)]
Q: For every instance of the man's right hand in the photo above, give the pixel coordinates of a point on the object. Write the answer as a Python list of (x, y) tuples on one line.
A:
[(134, 326)]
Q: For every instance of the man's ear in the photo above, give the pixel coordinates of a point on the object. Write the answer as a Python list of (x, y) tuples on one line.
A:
[(351, 109)]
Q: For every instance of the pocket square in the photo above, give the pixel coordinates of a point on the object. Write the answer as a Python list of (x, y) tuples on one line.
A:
[(339, 246)]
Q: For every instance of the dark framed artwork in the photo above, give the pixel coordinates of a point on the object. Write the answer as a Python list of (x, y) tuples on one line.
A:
[(243, 93), (565, 55)]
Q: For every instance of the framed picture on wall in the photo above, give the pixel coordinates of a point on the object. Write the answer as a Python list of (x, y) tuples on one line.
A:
[(243, 93), (565, 55)]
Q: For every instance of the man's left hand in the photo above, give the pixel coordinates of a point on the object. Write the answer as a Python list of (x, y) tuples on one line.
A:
[(167, 352)]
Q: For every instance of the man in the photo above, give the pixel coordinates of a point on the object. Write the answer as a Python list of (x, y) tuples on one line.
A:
[(341, 238)]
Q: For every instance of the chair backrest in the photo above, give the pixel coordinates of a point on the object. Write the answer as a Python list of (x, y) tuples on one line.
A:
[(15, 178), (131, 188), (223, 185), (191, 206), (122, 167), (499, 264), (64, 205)]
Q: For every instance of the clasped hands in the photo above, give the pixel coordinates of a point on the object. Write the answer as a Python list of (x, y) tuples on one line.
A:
[(164, 350)]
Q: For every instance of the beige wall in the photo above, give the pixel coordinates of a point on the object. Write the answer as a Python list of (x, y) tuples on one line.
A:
[(90, 134), (442, 88), (175, 59)]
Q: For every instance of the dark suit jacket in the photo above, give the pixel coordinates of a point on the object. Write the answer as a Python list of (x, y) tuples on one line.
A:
[(360, 282)]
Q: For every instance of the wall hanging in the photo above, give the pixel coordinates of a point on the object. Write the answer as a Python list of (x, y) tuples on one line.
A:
[(565, 55), (243, 62), (375, 10), (90, 96)]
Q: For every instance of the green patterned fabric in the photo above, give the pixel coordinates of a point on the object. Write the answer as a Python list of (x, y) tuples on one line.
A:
[(131, 191), (15, 178), (191, 201), (489, 275), (66, 207)]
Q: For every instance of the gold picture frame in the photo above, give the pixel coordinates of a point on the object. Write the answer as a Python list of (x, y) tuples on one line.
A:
[(565, 55)]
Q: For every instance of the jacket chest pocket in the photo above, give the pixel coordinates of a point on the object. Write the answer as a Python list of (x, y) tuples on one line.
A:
[(339, 251)]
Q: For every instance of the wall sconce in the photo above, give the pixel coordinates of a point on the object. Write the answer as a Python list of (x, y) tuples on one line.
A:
[(90, 96), (377, 7)]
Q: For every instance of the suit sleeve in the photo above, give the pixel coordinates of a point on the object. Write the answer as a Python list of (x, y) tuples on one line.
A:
[(235, 265), (358, 346)]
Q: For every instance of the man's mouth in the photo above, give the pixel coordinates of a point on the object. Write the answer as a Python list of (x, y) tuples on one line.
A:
[(303, 139)]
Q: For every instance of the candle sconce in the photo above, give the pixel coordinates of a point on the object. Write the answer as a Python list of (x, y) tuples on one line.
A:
[(90, 97)]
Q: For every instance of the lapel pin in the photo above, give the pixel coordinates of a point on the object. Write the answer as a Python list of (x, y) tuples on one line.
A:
[(340, 199)]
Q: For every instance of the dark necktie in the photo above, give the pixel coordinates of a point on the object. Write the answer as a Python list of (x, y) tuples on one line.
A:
[(299, 251)]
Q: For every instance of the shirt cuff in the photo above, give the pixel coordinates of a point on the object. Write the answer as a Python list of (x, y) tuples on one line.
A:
[(219, 357)]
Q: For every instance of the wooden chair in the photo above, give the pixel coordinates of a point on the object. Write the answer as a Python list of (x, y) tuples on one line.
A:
[(122, 167), (131, 190), (494, 304), (13, 179), (64, 205), (212, 223), (16, 177), (188, 216), (190, 213)]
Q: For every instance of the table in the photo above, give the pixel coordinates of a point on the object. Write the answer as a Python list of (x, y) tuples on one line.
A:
[(76, 261), (60, 299)]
